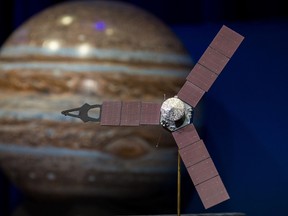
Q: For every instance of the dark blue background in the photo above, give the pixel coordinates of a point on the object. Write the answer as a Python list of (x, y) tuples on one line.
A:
[(245, 127)]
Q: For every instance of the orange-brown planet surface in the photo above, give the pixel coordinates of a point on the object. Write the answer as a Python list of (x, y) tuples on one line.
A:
[(87, 52)]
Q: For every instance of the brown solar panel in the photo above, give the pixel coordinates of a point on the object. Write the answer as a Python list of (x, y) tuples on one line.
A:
[(200, 166), (212, 192), (210, 65), (190, 93), (194, 153), (111, 113), (130, 113), (226, 41), (185, 136), (213, 60), (150, 113), (202, 171), (202, 77)]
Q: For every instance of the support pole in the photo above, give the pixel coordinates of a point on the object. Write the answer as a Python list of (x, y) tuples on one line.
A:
[(179, 186)]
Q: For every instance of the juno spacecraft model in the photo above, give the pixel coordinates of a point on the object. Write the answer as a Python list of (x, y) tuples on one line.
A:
[(175, 114)]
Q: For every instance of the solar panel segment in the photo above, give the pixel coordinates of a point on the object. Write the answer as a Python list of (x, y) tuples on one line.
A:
[(130, 113)]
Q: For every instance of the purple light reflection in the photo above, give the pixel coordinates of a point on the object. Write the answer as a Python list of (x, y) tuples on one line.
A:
[(100, 25)]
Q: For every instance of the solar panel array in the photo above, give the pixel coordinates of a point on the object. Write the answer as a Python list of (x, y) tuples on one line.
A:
[(130, 113), (210, 65), (200, 166)]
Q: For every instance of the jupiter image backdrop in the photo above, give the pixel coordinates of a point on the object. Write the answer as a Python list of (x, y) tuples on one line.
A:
[(87, 52)]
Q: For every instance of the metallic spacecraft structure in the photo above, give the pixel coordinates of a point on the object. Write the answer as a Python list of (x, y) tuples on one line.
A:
[(175, 114)]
